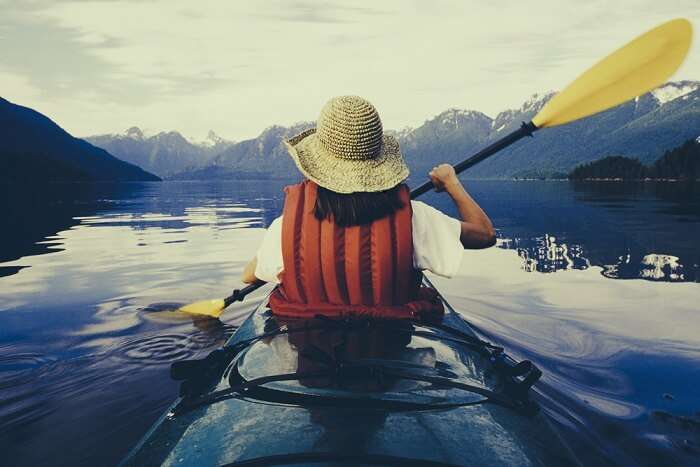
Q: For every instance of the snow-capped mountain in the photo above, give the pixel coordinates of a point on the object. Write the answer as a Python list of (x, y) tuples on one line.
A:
[(672, 91), (449, 132), (510, 119), (134, 133), (261, 157), (164, 153), (212, 141), (643, 128)]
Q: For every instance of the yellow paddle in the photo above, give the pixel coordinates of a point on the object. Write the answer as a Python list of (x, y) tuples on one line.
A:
[(638, 67), (214, 307)]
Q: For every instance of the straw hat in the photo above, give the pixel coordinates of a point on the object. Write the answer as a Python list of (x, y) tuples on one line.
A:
[(347, 152)]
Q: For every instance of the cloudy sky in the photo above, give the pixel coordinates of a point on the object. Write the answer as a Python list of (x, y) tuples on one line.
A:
[(237, 67)]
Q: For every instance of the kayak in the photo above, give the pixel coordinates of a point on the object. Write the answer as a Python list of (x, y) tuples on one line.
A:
[(353, 391)]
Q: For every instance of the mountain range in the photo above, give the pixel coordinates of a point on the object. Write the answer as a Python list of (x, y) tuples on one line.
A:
[(261, 157), (165, 153), (34, 148), (643, 128)]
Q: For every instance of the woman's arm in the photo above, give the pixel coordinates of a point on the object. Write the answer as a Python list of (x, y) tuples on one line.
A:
[(477, 230), (267, 264), (248, 275)]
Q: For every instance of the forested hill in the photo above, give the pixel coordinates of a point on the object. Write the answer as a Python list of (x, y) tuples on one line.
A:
[(681, 163), (35, 149), (610, 168)]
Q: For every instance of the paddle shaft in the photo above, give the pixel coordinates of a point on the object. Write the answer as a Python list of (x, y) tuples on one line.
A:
[(239, 294), (526, 129)]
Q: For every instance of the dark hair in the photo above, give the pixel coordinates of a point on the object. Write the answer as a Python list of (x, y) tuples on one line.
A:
[(357, 208)]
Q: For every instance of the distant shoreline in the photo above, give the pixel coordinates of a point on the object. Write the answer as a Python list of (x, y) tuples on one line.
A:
[(606, 180), (292, 180), (674, 180)]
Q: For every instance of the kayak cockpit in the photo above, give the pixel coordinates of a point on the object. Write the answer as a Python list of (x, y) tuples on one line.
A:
[(359, 362), (364, 392), (352, 364)]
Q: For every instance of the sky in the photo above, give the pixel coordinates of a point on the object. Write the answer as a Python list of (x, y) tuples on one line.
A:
[(238, 67)]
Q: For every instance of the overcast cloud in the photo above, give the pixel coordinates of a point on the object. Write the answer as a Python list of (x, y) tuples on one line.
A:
[(238, 67)]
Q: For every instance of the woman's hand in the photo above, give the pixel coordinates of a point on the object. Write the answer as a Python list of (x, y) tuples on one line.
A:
[(444, 178), (477, 230)]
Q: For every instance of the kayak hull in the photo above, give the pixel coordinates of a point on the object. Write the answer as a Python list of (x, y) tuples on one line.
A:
[(244, 430)]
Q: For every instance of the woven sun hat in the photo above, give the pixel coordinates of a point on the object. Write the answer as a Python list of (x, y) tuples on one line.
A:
[(348, 151)]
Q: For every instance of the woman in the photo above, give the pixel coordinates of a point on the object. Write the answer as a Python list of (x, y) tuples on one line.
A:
[(350, 240)]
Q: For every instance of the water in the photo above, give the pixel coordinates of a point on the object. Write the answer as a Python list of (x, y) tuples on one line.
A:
[(598, 283)]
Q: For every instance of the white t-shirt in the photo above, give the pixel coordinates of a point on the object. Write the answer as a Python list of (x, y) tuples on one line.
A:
[(436, 244)]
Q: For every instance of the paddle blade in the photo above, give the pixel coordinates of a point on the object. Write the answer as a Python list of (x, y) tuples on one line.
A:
[(638, 67), (211, 308)]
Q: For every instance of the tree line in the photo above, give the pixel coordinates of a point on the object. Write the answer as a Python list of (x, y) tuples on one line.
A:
[(681, 163)]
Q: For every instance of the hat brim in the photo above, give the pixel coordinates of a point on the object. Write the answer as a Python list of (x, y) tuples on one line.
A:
[(381, 173)]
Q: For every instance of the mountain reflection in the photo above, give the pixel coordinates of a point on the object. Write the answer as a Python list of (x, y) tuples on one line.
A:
[(39, 217), (35, 215)]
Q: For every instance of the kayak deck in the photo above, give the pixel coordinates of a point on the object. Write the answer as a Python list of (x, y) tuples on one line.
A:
[(324, 392)]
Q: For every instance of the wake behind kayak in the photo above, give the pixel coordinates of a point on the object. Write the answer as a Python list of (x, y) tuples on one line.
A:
[(353, 392)]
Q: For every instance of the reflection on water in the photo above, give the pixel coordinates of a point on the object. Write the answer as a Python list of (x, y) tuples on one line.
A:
[(621, 359), (38, 218), (89, 275), (631, 230), (546, 254), (85, 323)]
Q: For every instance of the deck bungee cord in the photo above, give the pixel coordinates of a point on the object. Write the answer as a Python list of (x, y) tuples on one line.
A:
[(218, 362)]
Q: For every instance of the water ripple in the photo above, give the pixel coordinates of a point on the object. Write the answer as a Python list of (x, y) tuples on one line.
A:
[(158, 350), (17, 368)]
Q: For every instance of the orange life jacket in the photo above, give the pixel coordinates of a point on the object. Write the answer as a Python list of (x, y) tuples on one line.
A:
[(340, 271)]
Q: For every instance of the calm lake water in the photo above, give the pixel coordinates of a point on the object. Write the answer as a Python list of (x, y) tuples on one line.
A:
[(597, 283)]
